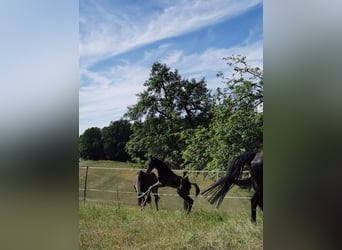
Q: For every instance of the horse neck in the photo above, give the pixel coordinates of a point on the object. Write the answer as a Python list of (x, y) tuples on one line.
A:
[(163, 169)]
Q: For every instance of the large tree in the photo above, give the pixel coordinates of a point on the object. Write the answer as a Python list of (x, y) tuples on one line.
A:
[(168, 106), (90, 145), (237, 123), (115, 137)]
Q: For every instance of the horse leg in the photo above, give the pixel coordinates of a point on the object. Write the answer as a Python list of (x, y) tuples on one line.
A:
[(156, 197), (187, 200), (141, 202), (156, 201), (148, 199), (186, 205), (260, 203), (254, 203)]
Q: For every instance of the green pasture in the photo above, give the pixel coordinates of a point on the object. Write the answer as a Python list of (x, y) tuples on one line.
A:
[(106, 226), (117, 186), (113, 220)]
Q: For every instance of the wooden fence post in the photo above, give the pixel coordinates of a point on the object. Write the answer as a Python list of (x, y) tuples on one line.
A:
[(85, 186), (117, 198)]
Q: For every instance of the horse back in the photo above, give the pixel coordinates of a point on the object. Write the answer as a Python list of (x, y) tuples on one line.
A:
[(144, 180)]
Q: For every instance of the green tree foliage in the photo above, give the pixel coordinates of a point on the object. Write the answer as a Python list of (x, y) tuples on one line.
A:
[(115, 137), (179, 121), (91, 145), (167, 107), (237, 123), (245, 86), (196, 155), (238, 117)]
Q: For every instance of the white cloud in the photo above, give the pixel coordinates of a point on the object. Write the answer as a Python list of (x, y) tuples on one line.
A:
[(209, 62), (105, 33), (173, 57), (109, 93)]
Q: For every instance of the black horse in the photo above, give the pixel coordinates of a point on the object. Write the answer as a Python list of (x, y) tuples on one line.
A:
[(168, 178), (254, 161), (142, 182)]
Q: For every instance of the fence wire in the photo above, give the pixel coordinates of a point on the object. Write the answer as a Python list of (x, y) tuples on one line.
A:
[(84, 190)]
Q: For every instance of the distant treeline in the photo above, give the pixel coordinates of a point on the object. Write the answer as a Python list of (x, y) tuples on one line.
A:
[(184, 123)]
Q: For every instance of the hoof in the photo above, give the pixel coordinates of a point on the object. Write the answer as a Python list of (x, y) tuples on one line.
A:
[(189, 208)]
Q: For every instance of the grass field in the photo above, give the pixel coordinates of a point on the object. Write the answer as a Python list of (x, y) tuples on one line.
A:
[(104, 226), (118, 223)]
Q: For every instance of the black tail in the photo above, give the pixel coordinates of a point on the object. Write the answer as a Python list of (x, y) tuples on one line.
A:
[(220, 188), (197, 188)]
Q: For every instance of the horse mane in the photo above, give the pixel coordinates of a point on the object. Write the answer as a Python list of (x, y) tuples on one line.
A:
[(159, 161), (161, 166)]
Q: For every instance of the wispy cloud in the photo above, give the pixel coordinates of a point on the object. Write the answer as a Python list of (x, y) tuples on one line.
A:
[(107, 88), (106, 97), (108, 32), (209, 62), (111, 89)]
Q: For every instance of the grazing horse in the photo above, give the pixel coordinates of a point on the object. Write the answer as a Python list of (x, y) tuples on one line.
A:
[(254, 161), (168, 178), (142, 182)]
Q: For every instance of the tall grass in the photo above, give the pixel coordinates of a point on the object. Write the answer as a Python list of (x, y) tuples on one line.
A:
[(118, 223), (106, 226)]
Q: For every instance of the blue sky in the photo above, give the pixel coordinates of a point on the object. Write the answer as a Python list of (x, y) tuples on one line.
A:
[(120, 40)]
